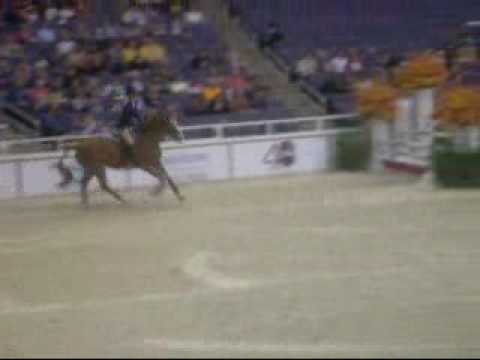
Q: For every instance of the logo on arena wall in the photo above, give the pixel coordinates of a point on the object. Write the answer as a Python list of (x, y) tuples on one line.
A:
[(281, 154)]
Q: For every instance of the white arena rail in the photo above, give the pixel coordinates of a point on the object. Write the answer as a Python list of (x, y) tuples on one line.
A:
[(312, 123), (194, 161)]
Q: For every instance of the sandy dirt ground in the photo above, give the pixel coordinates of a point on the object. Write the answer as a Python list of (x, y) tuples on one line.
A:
[(330, 265)]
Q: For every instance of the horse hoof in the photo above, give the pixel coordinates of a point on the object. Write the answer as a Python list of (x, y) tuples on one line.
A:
[(62, 185), (157, 191)]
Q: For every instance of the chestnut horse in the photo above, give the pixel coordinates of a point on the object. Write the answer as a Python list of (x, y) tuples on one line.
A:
[(97, 154)]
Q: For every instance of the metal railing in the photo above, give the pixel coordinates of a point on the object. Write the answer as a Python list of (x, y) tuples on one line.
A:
[(215, 131)]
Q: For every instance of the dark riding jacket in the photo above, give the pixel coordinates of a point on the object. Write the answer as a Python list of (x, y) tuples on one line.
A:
[(130, 117)]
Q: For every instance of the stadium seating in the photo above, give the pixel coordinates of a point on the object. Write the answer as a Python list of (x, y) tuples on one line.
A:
[(374, 28), (175, 81)]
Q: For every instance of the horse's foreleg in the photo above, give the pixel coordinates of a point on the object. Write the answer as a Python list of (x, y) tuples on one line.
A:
[(172, 184), (161, 182), (102, 180), (157, 174), (161, 174)]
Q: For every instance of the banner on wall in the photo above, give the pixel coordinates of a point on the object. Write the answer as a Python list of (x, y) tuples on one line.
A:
[(280, 157)]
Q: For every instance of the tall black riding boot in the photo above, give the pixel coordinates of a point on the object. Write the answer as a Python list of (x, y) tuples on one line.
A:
[(129, 153)]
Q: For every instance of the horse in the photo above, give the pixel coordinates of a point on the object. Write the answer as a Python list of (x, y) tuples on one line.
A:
[(96, 154)]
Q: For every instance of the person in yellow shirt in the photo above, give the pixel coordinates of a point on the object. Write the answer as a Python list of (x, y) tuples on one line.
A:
[(130, 54), (213, 96), (151, 52), (176, 7), (212, 92)]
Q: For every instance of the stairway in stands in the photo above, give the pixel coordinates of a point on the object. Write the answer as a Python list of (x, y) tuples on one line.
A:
[(290, 94)]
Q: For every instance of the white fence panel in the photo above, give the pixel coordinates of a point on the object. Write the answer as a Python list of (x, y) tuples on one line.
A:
[(192, 164), (7, 180), (202, 163), (117, 179), (139, 178), (39, 177)]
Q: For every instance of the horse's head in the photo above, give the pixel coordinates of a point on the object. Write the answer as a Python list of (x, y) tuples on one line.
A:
[(162, 123)]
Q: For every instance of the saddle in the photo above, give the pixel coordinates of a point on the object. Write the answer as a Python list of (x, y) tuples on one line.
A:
[(127, 149)]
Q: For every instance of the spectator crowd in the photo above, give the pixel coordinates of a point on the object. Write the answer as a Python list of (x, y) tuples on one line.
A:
[(71, 73)]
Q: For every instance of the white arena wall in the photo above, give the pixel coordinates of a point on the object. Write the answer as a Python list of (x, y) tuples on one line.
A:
[(215, 159), (195, 161)]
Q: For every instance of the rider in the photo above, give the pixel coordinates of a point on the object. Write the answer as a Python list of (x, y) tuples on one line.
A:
[(130, 120)]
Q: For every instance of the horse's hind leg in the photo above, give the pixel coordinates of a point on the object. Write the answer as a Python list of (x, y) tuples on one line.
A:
[(66, 174), (87, 176), (102, 179)]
